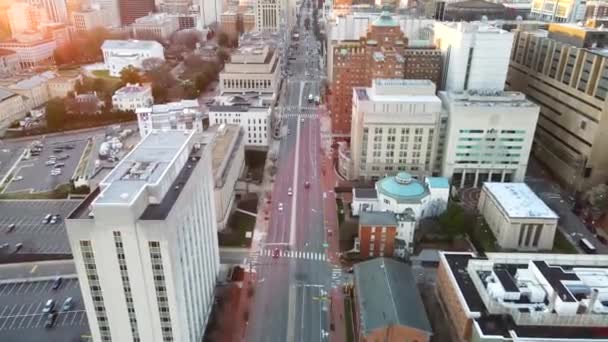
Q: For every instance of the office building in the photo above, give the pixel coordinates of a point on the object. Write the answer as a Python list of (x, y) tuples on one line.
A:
[(513, 297), (12, 108), (155, 26), (255, 121), (9, 62), (87, 19), (64, 83), (119, 54), (475, 55), (395, 127), (518, 218), (174, 6), (388, 306), (209, 12), (113, 11), (132, 97), (488, 136), (182, 115), (268, 15), (596, 9), (33, 53), (252, 68), (134, 9), (565, 71), (57, 10), (24, 17), (559, 11), (33, 88), (145, 243)]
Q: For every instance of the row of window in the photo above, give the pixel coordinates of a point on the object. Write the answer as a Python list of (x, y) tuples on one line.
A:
[(88, 258), (126, 285), (161, 294)]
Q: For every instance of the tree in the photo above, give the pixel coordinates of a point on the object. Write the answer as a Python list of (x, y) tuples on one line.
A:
[(223, 39), (130, 75), (55, 113), (151, 63), (222, 55), (453, 221), (187, 38), (598, 198), (160, 93)]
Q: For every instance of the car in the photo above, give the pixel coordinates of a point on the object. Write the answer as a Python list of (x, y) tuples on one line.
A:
[(302, 120), (310, 98), (53, 220), (50, 320), (48, 306), (10, 228), (280, 206), (58, 165), (63, 157), (67, 304), (50, 162), (18, 178), (276, 253), (47, 218), (307, 184), (317, 99), (18, 246), (289, 192), (57, 283), (68, 147)]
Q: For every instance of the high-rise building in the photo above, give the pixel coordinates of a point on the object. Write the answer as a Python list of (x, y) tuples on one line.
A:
[(145, 243), (268, 15), (475, 55), (210, 12), (155, 26), (488, 136), (395, 127), (88, 19), (24, 17), (558, 10), (134, 9), (596, 9), (565, 71), (175, 6), (57, 10), (113, 8)]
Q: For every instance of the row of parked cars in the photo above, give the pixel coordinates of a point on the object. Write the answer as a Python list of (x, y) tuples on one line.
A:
[(50, 307)]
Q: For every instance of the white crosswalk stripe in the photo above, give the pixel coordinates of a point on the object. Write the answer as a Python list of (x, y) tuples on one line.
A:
[(292, 255)]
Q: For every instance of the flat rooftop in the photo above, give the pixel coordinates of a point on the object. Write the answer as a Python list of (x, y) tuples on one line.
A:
[(131, 44), (226, 140), (519, 201)]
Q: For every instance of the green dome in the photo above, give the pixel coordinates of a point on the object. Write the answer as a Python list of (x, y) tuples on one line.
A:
[(402, 187)]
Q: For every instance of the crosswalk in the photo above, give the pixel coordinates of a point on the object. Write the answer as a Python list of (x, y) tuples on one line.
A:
[(295, 255), (302, 108), (299, 116), (336, 277)]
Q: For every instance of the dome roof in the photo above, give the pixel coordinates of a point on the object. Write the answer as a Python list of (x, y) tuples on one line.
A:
[(402, 187), (385, 19)]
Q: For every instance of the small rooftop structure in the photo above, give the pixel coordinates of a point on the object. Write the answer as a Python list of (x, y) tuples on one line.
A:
[(385, 19), (402, 187), (518, 200), (377, 218)]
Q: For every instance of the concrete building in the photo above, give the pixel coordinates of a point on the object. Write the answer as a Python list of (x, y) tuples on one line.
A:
[(209, 11), (251, 69), (133, 97), (145, 243), (119, 54), (513, 297), (395, 127), (517, 217), (488, 136), (33, 88), (254, 120), (558, 10), (155, 25), (12, 108), (9, 63), (130, 10), (87, 19), (182, 115), (565, 71), (63, 83), (228, 164), (24, 17), (596, 9), (388, 305), (268, 15), (475, 55), (56, 10), (423, 62), (383, 233), (113, 10), (33, 53)]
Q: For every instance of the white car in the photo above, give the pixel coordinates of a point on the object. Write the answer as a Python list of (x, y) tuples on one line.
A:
[(18, 178), (289, 192), (280, 206), (302, 120), (49, 162)]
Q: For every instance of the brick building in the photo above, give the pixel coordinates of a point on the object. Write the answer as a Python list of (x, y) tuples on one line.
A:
[(382, 53), (377, 231)]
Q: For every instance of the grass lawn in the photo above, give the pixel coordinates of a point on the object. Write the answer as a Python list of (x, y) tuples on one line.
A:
[(562, 245), (348, 317), (485, 237), (234, 235), (105, 74)]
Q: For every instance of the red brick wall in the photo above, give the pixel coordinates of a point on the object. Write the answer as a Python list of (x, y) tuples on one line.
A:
[(365, 240)]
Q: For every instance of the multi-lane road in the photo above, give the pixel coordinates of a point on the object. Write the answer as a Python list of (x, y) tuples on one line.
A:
[(292, 269)]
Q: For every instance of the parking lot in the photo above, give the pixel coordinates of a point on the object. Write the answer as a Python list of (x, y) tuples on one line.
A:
[(22, 319), (30, 230), (32, 175), (9, 153)]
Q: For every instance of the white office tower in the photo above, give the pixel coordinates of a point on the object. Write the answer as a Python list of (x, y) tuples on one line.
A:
[(113, 11), (57, 10), (476, 55), (268, 15), (145, 243), (210, 12)]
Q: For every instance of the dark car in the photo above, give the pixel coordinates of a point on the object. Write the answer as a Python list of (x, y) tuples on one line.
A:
[(50, 320), (57, 283)]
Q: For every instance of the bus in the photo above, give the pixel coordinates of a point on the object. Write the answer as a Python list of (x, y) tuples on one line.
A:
[(587, 246)]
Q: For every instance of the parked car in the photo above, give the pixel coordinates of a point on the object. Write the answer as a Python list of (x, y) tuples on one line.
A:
[(48, 306), (50, 320), (67, 304), (57, 283), (10, 228)]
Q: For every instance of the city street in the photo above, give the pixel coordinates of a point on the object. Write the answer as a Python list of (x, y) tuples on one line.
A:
[(291, 262)]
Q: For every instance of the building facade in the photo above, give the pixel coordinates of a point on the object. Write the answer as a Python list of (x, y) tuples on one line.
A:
[(558, 11), (568, 78), (133, 97), (155, 26), (475, 55), (24, 17), (9, 62), (395, 127), (64, 83), (518, 218), (268, 15), (182, 115), (130, 10), (145, 244), (209, 11), (255, 122), (88, 19), (119, 54), (488, 136), (253, 69), (34, 89), (377, 231), (596, 9), (12, 108), (32, 54)]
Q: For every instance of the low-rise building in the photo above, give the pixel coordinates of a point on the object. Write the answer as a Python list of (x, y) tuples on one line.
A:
[(488, 136), (182, 115), (513, 297), (132, 97), (517, 217), (9, 63), (32, 53), (388, 305), (119, 54), (382, 233), (155, 25), (34, 88), (255, 120), (12, 108), (64, 83)]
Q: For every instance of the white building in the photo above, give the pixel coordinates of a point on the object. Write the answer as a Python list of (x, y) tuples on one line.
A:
[(488, 136), (87, 19), (34, 88), (11, 108), (254, 120), (254, 69), (517, 217), (133, 97), (34, 53), (158, 25), (268, 15), (395, 127), (558, 11), (9, 63), (145, 243), (57, 10), (475, 55), (113, 11), (24, 17), (119, 54), (210, 12), (64, 83), (182, 115)]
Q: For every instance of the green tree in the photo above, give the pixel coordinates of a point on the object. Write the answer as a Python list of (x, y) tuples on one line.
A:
[(223, 39), (453, 221), (222, 55), (160, 93), (55, 114), (130, 74)]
